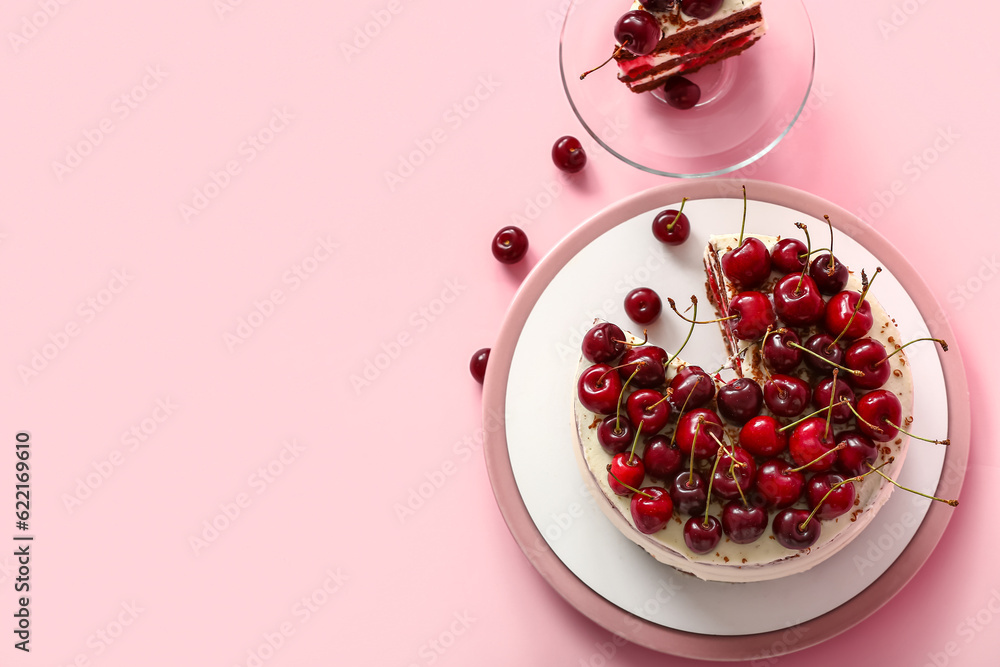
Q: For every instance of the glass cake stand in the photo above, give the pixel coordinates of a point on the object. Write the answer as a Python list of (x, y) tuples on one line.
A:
[(748, 103)]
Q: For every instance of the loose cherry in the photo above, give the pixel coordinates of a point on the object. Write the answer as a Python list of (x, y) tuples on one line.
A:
[(744, 524), (604, 343), (510, 245), (792, 532), (740, 400), (786, 395), (477, 365), (681, 93), (663, 459), (868, 356), (763, 436), (672, 226), (754, 314), (599, 388), (702, 534), (811, 445), (779, 484), (694, 433), (643, 305), (649, 408), (568, 154), (828, 491)]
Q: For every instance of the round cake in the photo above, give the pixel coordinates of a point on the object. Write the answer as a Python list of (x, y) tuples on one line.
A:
[(783, 483)]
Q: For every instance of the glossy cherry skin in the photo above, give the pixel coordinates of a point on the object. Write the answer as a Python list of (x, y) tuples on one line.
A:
[(779, 355), (828, 283), (868, 356), (681, 93), (787, 529), (743, 525), (646, 406), (728, 485), (658, 5), (649, 359), (797, 301), (700, 9), (778, 484), (693, 385), (877, 408), (568, 154), (740, 400), (762, 436), (747, 265), (838, 503), (809, 441), (628, 468), (755, 315), (821, 399), (651, 514), (788, 256), (704, 446), (838, 316), (702, 536), (671, 227), (615, 433), (643, 305), (689, 493), (662, 459), (821, 344), (477, 365), (858, 452), (638, 31), (786, 395), (510, 245), (599, 389), (604, 343)]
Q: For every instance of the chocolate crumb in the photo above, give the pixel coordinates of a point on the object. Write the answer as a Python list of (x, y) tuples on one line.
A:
[(898, 373), (744, 560), (725, 558), (891, 339), (908, 420), (899, 441)]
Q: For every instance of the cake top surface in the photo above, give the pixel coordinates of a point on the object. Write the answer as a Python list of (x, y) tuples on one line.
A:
[(671, 23)]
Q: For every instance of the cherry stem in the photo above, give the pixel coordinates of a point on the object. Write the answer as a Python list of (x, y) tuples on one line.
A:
[(814, 414), (645, 339), (708, 497), (831, 266), (817, 459), (673, 307), (630, 488), (805, 268), (743, 226), (953, 503), (857, 307), (667, 394), (694, 304), (694, 441), (613, 56), (822, 358), (859, 479), (618, 408), (944, 346), (730, 452), (864, 421), (946, 441), (600, 380), (833, 395), (631, 454), (678, 216)]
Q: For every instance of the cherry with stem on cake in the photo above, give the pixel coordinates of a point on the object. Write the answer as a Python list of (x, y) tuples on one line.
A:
[(858, 451), (603, 343), (943, 344), (953, 503), (867, 358), (763, 436), (749, 264), (790, 255), (615, 433), (702, 535), (740, 400), (779, 484), (692, 387), (781, 350), (658, 5), (738, 472), (786, 395), (744, 524), (811, 415), (681, 93), (700, 9), (848, 314), (651, 507), (650, 361), (879, 414), (826, 270), (793, 530), (830, 390), (823, 354), (662, 458), (797, 301), (649, 407), (689, 491), (752, 313), (510, 245), (636, 30), (672, 226), (477, 365), (643, 305), (830, 494), (568, 154), (599, 388), (626, 472), (694, 433), (812, 445)]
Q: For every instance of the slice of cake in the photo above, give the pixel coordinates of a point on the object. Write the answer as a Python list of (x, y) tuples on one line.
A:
[(688, 43)]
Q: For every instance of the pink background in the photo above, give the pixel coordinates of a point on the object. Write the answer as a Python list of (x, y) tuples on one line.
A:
[(244, 172)]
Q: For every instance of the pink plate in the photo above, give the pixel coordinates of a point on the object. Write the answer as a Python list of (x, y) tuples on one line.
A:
[(581, 592)]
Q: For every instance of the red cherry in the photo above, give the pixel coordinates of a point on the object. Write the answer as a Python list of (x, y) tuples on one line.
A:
[(797, 301), (823, 345), (839, 502), (651, 514), (748, 265), (779, 484), (650, 360), (828, 282), (704, 446), (638, 31), (763, 436), (615, 433), (568, 154), (729, 486), (740, 400), (811, 440), (788, 256), (701, 535), (821, 399), (877, 409), (868, 356), (689, 493), (786, 395), (603, 343), (662, 459), (672, 226), (779, 354), (477, 365), (628, 468), (691, 388), (681, 93), (700, 9), (599, 388), (754, 312), (839, 312), (743, 525), (647, 407), (510, 245), (643, 305), (857, 453), (787, 529)]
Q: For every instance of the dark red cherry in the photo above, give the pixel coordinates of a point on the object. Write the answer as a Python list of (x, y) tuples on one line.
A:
[(649, 359), (730, 479), (786, 395), (681, 93), (823, 345), (691, 388), (747, 265), (840, 315), (510, 245), (828, 282), (647, 407), (568, 154), (704, 446), (787, 529), (838, 503), (477, 365), (651, 514), (700, 9), (671, 227), (755, 315), (662, 459), (797, 301), (628, 468), (821, 399), (882, 410), (701, 535), (788, 256), (778, 484), (599, 389), (779, 355), (638, 31), (811, 440), (643, 305), (857, 453), (743, 525), (868, 356), (603, 343), (658, 5), (689, 493), (763, 436), (740, 400), (615, 433)]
